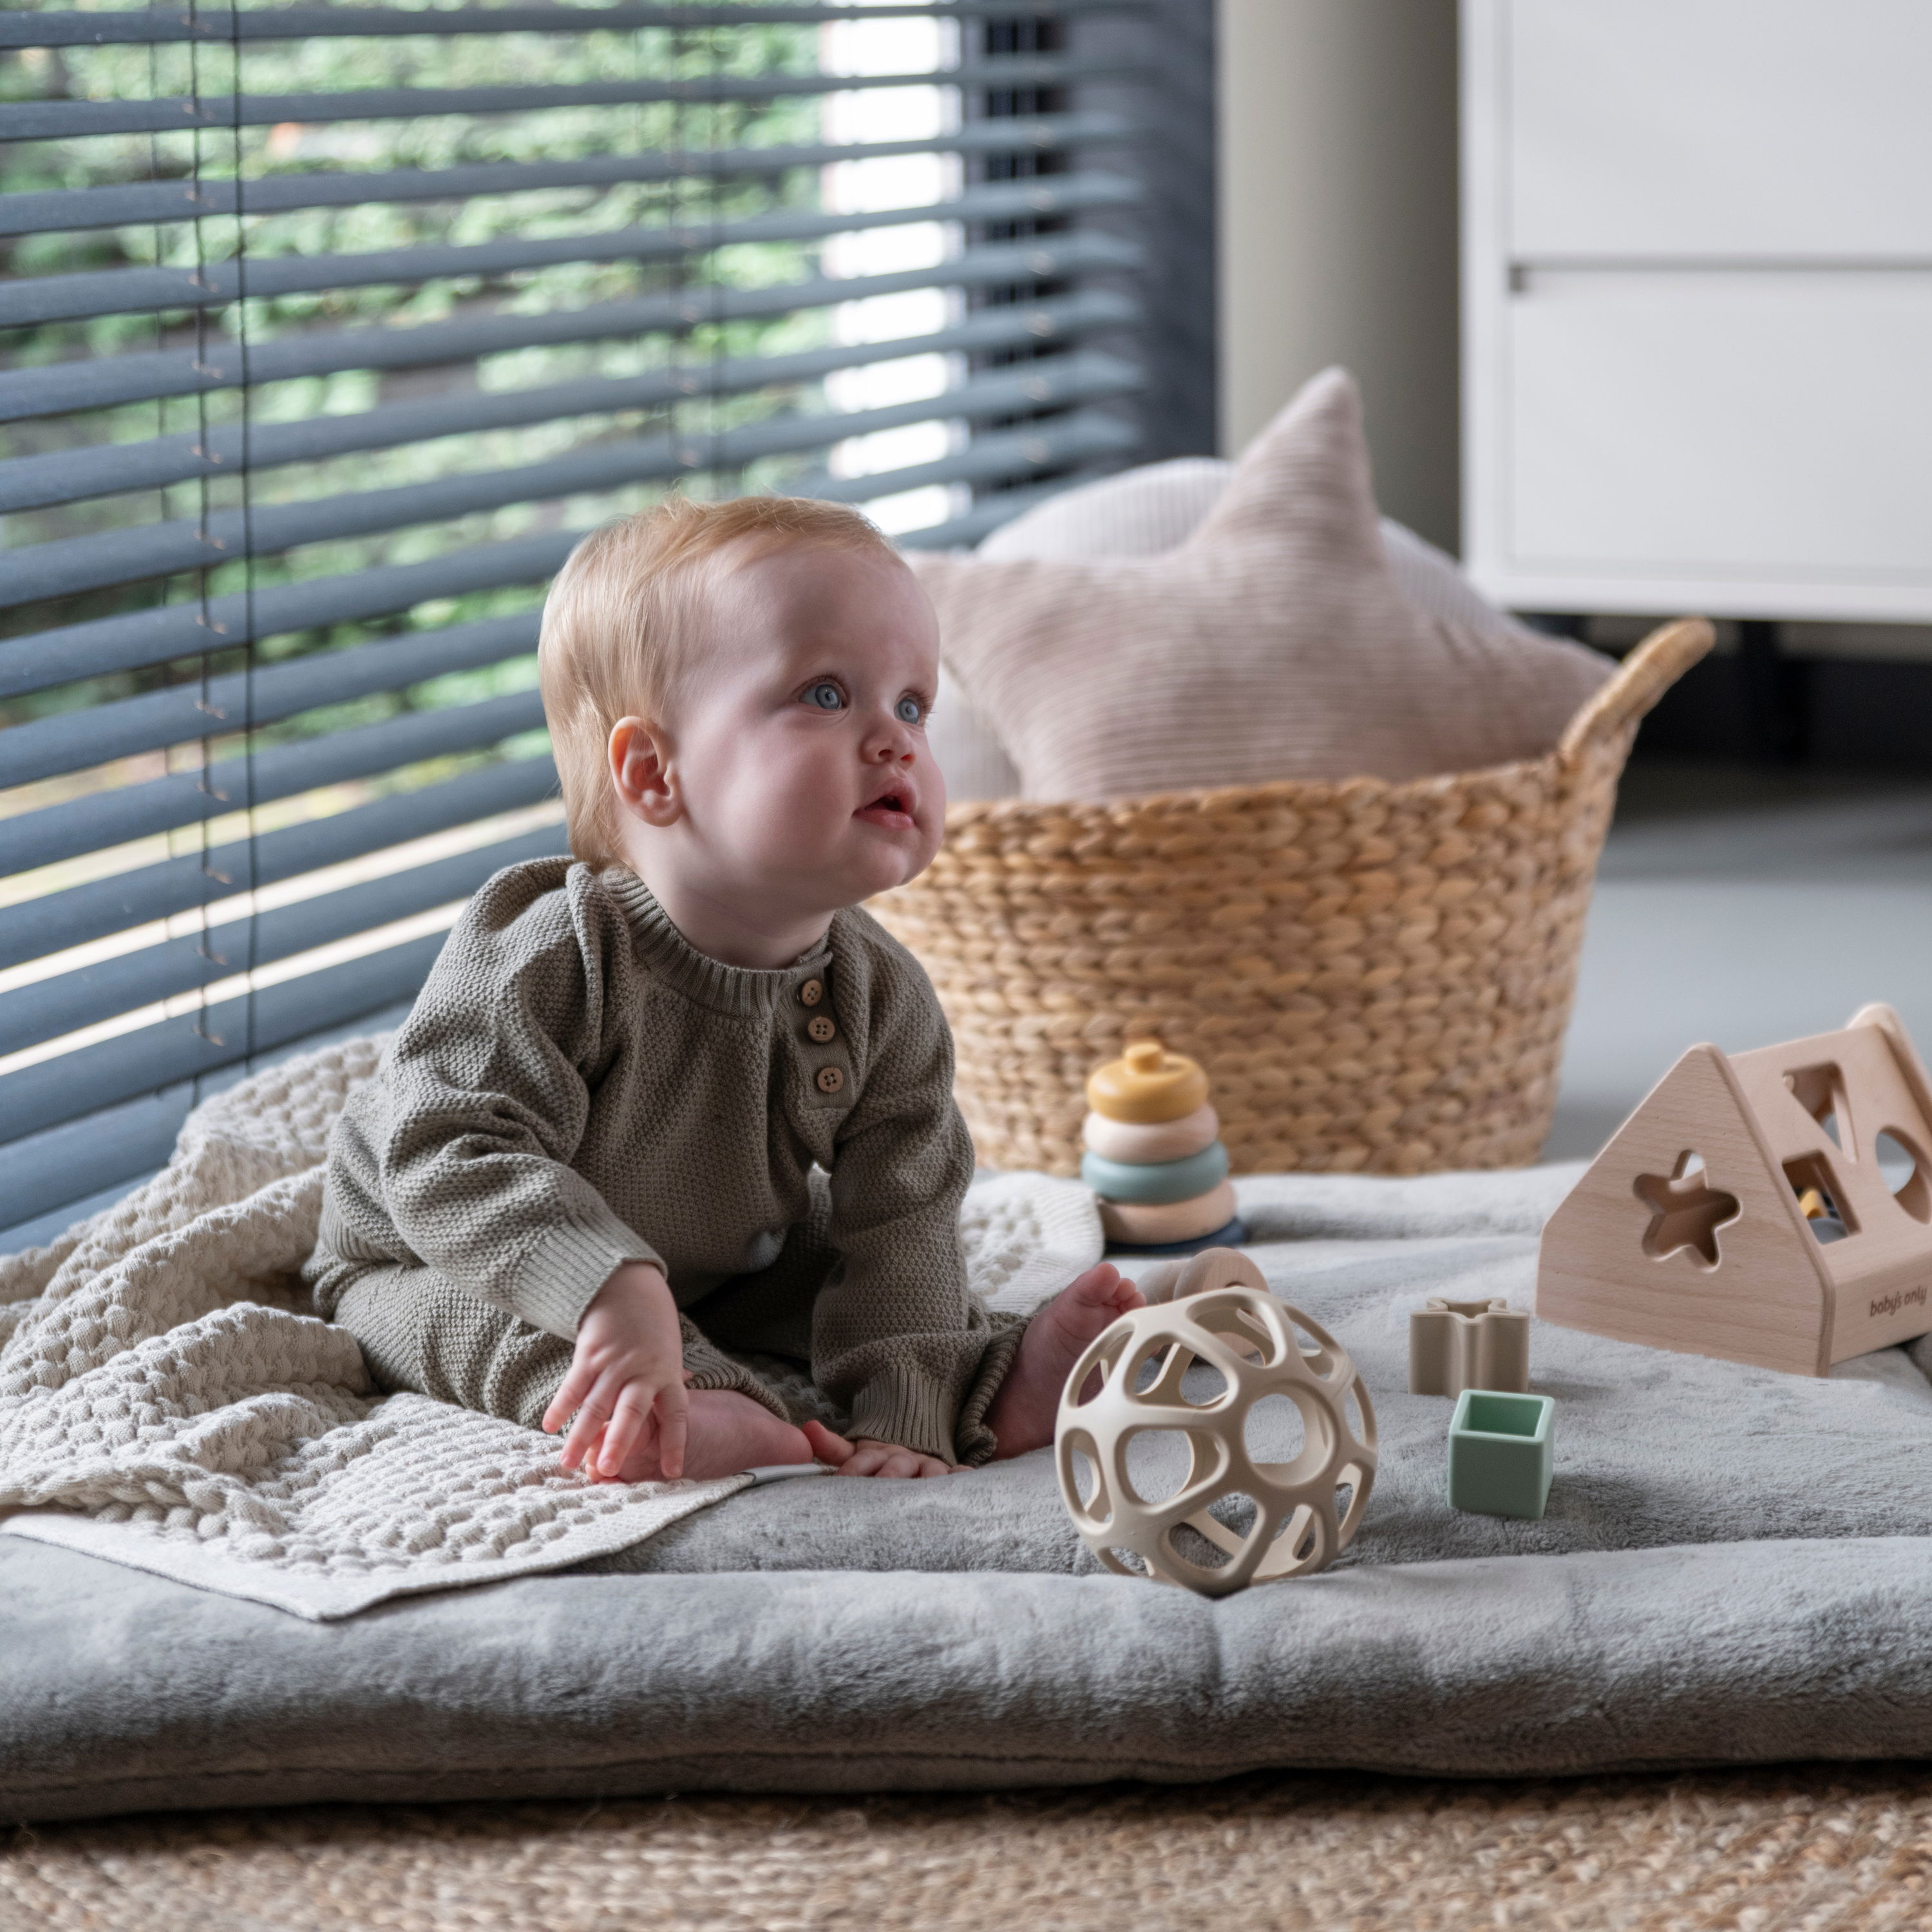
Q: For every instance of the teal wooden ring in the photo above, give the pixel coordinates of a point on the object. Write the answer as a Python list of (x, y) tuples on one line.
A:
[(1154, 1186)]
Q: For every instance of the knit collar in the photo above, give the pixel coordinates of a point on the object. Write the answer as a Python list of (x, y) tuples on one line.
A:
[(673, 958)]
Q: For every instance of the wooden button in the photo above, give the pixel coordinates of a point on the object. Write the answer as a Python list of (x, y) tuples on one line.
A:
[(812, 992), (820, 1027), (830, 1079)]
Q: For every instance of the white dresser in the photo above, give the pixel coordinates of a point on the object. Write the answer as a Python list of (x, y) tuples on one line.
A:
[(1697, 306)]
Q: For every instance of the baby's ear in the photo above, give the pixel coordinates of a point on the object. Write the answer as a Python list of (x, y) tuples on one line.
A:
[(640, 769)]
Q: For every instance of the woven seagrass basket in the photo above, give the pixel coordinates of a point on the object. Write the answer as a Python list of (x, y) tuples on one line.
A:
[(1377, 976)]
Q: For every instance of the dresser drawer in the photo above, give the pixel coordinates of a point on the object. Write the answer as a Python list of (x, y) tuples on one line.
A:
[(1735, 428), (1716, 129)]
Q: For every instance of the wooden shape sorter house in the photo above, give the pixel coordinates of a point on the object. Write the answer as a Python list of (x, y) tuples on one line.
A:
[(1745, 1209)]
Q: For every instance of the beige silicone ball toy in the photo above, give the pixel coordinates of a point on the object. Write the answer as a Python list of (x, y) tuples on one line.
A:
[(1169, 1462)]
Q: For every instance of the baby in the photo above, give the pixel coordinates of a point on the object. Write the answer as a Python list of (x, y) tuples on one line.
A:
[(670, 1125)]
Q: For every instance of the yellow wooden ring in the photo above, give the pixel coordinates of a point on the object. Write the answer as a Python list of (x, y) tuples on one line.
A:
[(1147, 1084), (1171, 1221), (1160, 1141)]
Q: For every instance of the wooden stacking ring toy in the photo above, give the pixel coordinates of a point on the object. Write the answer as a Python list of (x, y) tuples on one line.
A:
[(1153, 1155)]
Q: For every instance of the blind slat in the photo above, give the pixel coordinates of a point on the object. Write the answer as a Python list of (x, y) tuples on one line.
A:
[(57, 921), (45, 1169), (65, 1002), (217, 25), (75, 740), (78, 1083), (76, 564), (64, 387), (1031, 400), (1002, 507), (107, 644), (92, 824), (41, 1230), (67, 476), (80, 120), (128, 291), (52, 210), (50, 1178), (1084, 436)]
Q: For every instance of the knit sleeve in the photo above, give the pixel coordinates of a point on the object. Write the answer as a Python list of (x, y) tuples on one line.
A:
[(486, 1100), (898, 1338)]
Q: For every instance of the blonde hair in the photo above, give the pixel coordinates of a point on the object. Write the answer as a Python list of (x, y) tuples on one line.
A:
[(623, 629)]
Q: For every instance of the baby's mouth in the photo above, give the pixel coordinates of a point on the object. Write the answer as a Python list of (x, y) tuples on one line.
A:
[(892, 809)]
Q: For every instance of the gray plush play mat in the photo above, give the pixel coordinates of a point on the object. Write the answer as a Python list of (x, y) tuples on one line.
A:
[(1735, 1565)]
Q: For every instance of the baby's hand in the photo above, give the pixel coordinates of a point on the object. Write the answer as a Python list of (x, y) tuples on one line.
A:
[(626, 1380), (867, 1457)]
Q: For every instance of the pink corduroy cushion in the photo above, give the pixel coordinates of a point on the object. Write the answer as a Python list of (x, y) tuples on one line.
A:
[(1274, 643)]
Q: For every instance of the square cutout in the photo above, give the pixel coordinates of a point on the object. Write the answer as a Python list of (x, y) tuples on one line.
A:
[(1811, 1173)]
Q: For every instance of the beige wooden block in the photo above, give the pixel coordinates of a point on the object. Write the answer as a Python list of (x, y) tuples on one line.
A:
[(1148, 1224), (1688, 1231), (1305, 1510), (1172, 1279), (1457, 1345), (1148, 1144)]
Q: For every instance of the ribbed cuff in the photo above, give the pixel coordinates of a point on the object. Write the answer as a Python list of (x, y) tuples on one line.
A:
[(974, 1442), (902, 1405), (561, 1273)]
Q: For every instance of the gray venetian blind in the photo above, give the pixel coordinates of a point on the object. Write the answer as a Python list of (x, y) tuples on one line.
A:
[(325, 331)]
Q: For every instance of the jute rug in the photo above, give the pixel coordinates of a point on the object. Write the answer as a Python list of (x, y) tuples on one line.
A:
[(1820, 1848)]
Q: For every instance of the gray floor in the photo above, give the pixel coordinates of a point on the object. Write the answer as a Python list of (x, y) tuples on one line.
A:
[(1744, 909)]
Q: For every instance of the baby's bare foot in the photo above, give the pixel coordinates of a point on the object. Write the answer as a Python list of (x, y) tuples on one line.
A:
[(726, 1432), (1023, 1412)]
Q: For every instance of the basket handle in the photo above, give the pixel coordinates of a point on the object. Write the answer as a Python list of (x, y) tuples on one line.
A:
[(1641, 679)]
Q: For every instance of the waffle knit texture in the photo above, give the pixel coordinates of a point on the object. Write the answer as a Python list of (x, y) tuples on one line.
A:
[(168, 1402), (577, 1086)]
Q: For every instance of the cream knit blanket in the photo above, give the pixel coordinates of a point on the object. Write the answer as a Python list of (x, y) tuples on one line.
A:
[(166, 1401)]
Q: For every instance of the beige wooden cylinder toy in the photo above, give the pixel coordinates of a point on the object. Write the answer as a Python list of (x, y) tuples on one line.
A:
[(1154, 1157), (1202, 1447)]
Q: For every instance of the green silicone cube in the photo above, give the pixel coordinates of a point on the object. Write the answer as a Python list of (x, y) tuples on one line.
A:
[(1499, 1453)]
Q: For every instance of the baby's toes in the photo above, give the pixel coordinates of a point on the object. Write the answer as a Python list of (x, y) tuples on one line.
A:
[(1097, 1286)]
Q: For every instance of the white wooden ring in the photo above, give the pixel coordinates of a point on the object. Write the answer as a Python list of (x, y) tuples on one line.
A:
[(1146, 1143)]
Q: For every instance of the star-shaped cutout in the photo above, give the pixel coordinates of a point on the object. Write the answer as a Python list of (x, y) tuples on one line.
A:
[(1686, 1211)]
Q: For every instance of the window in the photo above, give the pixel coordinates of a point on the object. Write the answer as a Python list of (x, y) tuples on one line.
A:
[(325, 332)]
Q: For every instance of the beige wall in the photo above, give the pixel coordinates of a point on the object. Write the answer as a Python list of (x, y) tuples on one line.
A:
[(1337, 238)]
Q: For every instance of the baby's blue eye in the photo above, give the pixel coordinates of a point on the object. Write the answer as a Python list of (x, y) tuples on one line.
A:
[(909, 712), (826, 696)]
